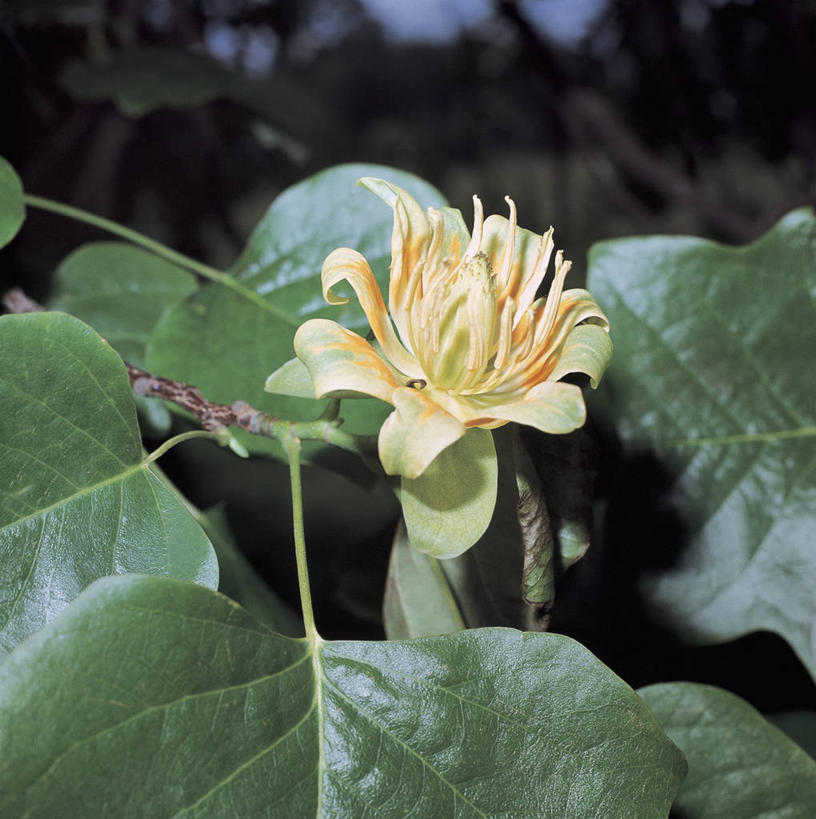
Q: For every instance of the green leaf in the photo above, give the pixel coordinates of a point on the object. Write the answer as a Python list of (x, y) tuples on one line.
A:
[(12, 209), (739, 764), (713, 369), (419, 600), (170, 699), (143, 80), (121, 291), (227, 340), (77, 500), (449, 506)]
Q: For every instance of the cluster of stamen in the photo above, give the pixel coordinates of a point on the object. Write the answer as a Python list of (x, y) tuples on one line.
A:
[(479, 328)]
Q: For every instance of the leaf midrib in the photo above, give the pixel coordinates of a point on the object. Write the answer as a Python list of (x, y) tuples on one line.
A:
[(743, 438), (86, 490)]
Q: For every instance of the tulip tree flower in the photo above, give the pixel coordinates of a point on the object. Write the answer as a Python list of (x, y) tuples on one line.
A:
[(464, 343)]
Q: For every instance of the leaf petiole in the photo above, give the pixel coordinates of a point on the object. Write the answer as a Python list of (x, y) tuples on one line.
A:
[(177, 439), (291, 445), (131, 235)]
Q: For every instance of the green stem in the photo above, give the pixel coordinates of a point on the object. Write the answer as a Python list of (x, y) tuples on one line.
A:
[(292, 446), (126, 233), (177, 439)]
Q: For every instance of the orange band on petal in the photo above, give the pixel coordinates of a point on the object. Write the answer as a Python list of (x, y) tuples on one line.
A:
[(348, 265)]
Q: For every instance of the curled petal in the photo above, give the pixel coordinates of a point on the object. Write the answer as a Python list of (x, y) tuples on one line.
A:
[(340, 361), (588, 350), (531, 280), (415, 433), (348, 265), (551, 406), (409, 247)]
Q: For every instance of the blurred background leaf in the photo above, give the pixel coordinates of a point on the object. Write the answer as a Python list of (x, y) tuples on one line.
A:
[(12, 210)]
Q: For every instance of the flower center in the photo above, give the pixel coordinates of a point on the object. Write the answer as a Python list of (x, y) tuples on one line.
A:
[(460, 326)]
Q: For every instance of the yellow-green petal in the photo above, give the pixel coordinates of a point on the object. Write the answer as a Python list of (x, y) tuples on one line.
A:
[(409, 243), (526, 247), (588, 350), (415, 433), (551, 406), (292, 378), (339, 361), (348, 265)]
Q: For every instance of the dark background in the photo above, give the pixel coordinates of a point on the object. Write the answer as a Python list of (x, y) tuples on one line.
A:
[(629, 117)]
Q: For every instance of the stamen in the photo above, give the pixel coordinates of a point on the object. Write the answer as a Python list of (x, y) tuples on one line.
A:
[(547, 321), (478, 222), (477, 354), (505, 333), (508, 256), (528, 336), (545, 248)]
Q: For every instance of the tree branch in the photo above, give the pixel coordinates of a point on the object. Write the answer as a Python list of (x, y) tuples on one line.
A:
[(213, 416)]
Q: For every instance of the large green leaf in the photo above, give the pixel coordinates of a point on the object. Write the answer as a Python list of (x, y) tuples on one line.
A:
[(121, 291), (740, 766), (77, 500), (171, 700), (12, 209), (714, 369), (227, 339)]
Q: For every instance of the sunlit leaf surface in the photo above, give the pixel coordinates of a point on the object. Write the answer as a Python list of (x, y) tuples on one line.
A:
[(77, 501), (173, 701)]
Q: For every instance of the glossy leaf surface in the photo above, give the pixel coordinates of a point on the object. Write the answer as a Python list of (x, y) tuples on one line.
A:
[(227, 340), (77, 501), (12, 209), (713, 369), (201, 711), (740, 766)]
